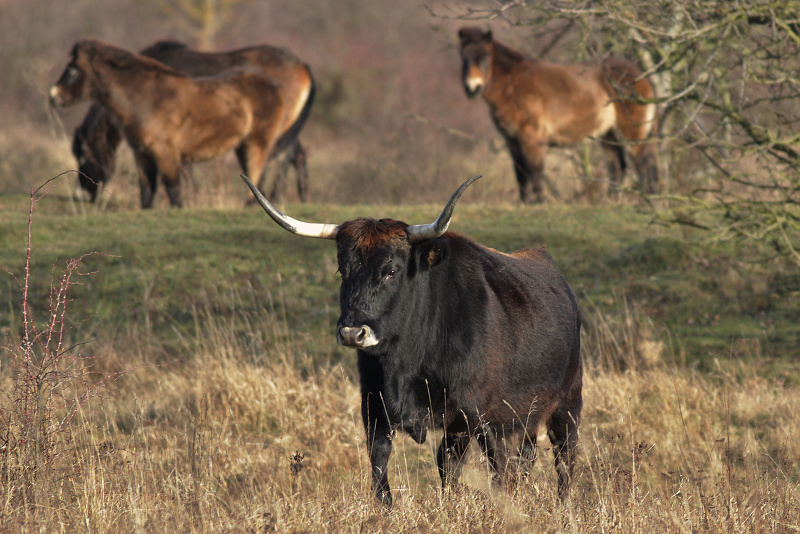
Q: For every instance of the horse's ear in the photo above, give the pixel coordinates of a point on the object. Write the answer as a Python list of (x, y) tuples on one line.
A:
[(488, 36)]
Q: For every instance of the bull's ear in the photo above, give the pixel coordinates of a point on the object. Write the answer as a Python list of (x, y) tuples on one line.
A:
[(432, 252)]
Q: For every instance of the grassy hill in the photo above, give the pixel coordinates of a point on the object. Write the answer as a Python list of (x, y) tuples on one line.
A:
[(158, 269), (222, 401)]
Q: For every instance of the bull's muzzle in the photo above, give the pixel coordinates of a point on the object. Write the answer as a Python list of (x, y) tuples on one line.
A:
[(358, 337)]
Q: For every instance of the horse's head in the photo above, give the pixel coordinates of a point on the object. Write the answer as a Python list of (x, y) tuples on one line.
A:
[(476, 59), (75, 84)]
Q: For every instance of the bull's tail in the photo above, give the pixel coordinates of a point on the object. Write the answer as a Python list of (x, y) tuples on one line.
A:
[(289, 137)]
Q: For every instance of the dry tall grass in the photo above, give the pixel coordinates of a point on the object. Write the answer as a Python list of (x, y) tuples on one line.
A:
[(252, 436)]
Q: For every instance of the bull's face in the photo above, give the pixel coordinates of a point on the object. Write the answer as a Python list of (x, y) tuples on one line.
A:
[(383, 272), (476, 59), (72, 86), (378, 261), (374, 264)]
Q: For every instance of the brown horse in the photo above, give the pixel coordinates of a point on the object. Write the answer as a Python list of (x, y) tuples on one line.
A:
[(536, 105), (96, 139), (169, 118)]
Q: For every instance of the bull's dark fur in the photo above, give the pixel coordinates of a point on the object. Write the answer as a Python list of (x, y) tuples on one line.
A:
[(480, 343), (97, 138)]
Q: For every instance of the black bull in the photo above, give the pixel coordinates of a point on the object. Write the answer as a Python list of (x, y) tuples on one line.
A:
[(454, 335)]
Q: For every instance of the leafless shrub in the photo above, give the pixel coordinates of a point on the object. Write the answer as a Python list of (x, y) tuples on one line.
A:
[(47, 383)]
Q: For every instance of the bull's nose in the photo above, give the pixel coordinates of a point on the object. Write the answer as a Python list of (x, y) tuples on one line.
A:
[(356, 336)]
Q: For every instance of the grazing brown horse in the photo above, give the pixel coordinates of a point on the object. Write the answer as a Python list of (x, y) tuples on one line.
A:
[(536, 105), (169, 118), (96, 139)]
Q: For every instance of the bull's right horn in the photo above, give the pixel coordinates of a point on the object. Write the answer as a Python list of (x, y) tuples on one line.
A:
[(419, 232), (323, 231)]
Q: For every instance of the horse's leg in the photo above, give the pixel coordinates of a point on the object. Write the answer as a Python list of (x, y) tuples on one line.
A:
[(169, 166), (528, 155), (148, 177), (521, 169), (301, 167), (450, 455), (279, 187), (252, 158), (645, 161), (616, 162)]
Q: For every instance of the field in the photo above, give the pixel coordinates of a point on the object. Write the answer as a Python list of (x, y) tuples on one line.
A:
[(229, 407), (177, 369)]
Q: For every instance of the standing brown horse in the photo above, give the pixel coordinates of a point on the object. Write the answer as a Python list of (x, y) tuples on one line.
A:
[(96, 139), (169, 118), (536, 105)]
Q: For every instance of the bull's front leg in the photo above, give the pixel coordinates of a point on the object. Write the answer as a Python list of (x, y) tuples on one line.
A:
[(379, 443), (376, 424)]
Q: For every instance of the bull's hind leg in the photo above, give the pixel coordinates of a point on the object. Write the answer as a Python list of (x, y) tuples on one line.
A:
[(450, 455), (527, 452), (563, 432), (509, 470)]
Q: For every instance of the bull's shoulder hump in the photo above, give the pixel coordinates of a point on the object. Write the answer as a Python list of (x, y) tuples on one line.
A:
[(538, 255)]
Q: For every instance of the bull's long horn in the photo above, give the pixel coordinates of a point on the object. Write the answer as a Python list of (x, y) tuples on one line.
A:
[(418, 232), (324, 231)]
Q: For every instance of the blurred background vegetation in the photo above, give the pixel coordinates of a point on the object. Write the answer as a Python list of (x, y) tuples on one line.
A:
[(205, 334), (391, 123)]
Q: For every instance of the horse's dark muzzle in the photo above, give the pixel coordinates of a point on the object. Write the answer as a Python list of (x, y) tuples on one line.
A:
[(473, 92), (56, 100)]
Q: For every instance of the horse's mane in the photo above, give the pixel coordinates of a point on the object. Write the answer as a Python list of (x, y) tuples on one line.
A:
[(120, 58), (160, 47), (506, 56)]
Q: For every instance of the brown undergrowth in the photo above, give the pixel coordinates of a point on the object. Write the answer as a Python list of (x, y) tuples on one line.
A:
[(246, 433)]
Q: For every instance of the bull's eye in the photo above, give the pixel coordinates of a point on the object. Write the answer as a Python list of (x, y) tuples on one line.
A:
[(390, 274)]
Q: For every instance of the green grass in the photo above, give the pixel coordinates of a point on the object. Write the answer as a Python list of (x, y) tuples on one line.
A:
[(217, 329), (156, 270)]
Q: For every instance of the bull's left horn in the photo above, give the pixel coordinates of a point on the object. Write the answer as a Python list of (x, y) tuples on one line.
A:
[(323, 231), (419, 232)]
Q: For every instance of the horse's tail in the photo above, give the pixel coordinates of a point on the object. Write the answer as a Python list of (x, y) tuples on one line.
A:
[(290, 135)]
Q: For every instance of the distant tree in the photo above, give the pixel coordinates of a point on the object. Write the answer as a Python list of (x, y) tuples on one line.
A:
[(728, 81), (202, 18)]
